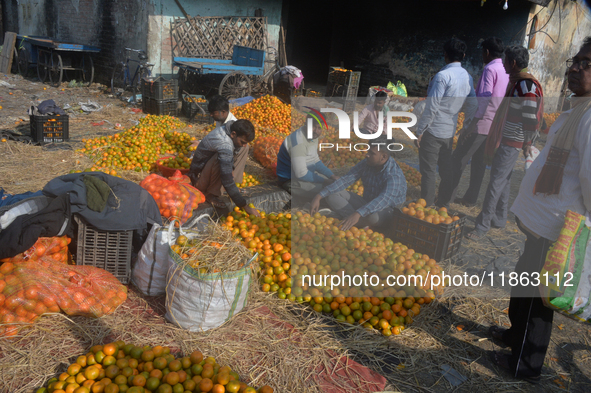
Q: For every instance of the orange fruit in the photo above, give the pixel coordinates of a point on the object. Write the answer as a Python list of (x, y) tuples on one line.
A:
[(206, 385), (110, 349)]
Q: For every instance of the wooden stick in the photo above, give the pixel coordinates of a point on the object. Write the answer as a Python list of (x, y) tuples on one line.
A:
[(284, 55)]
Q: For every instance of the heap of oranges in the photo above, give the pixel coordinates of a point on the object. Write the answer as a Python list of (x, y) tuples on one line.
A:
[(411, 174), (420, 210), (175, 197), (248, 181), (120, 367), (139, 147), (270, 236), (181, 161), (268, 114), (321, 248)]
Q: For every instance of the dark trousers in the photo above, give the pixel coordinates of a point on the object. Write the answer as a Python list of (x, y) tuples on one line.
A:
[(531, 321), (496, 200), (434, 151), (471, 148)]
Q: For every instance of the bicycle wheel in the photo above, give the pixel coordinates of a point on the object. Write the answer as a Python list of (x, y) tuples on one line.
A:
[(118, 80)]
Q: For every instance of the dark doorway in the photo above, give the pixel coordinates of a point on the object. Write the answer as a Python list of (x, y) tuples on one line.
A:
[(309, 26)]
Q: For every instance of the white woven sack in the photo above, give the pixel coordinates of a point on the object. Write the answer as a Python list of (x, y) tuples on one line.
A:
[(200, 302), (151, 267)]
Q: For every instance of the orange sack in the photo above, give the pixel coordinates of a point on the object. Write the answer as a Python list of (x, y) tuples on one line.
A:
[(175, 196), (53, 247), (32, 287)]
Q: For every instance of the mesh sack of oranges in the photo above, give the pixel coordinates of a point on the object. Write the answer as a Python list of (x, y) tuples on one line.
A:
[(31, 288), (208, 279), (175, 196), (265, 150), (55, 248)]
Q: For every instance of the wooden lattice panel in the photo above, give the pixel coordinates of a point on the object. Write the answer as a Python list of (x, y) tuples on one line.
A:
[(214, 37)]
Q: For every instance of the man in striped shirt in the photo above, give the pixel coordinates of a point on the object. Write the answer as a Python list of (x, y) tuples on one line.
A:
[(522, 113), (299, 168), (384, 189)]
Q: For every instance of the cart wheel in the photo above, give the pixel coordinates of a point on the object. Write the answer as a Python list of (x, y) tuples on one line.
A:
[(87, 70), (56, 72), (14, 66), (42, 62), (23, 62), (235, 85)]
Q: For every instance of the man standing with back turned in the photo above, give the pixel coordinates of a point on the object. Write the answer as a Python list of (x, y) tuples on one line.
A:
[(489, 92), (557, 181), (435, 130)]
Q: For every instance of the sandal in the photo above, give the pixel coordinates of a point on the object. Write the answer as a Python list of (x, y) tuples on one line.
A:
[(497, 332), (502, 360), (475, 235), (216, 202)]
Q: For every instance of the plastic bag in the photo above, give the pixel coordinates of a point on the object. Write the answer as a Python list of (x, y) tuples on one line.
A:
[(530, 159), (175, 196), (401, 89), (149, 272), (55, 248), (202, 301), (31, 288), (565, 278)]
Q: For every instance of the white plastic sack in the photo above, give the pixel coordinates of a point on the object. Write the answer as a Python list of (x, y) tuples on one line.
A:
[(151, 267), (199, 302)]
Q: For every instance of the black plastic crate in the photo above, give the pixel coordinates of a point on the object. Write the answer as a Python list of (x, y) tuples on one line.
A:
[(49, 128), (160, 89), (350, 92), (160, 107), (190, 108), (108, 250), (440, 242)]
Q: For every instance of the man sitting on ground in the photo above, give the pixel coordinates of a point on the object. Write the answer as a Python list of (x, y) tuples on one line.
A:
[(219, 109), (384, 189), (299, 168), (369, 117), (219, 161)]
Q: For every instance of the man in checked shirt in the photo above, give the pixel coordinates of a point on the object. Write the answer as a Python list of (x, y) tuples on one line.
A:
[(384, 187)]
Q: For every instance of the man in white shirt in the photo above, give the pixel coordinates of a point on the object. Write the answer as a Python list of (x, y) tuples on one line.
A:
[(557, 181), (446, 97), (219, 110), (369, 118)]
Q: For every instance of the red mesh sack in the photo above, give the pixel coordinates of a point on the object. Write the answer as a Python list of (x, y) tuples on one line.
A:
[(265, 150), (175, 196), (55, 248), (31, 288)]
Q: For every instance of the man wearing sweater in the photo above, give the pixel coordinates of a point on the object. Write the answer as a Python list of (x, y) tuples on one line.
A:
[(512, 131)]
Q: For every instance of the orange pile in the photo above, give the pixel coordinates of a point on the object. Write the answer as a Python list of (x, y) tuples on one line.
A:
[(140, 146), (320, 248), (429, 214), (248, 181), (411, 174), (551, 118), (270, 236), (268, 114), (120, 367), (356, 188)]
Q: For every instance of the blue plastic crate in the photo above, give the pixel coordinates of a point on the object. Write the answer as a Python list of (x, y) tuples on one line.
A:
[(245, 56)]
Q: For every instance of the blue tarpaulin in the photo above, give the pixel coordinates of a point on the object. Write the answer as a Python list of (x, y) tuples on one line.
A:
[(7, 199)]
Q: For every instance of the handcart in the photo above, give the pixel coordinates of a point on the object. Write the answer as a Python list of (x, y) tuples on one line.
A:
[(52, 58)]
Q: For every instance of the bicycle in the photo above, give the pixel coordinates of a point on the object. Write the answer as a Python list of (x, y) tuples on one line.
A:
[(264, 84), (121, 79)]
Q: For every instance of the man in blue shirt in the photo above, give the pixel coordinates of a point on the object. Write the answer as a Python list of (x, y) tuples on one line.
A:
[(299, 168), (384, 187), (446, 97)]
